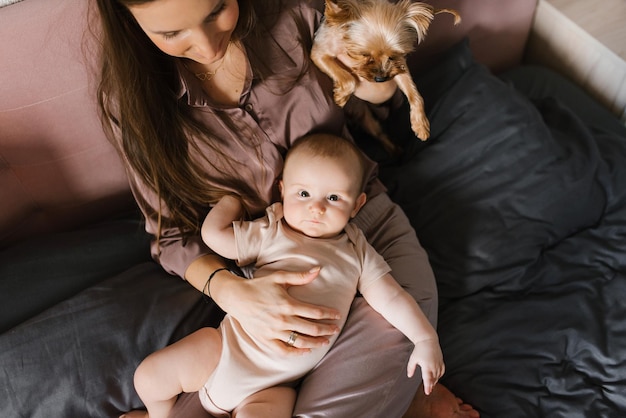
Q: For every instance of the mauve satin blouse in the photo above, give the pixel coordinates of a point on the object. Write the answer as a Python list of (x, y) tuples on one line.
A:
[(275, 119)]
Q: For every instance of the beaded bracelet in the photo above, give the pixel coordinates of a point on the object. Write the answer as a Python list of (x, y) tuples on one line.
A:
[(206, 290)]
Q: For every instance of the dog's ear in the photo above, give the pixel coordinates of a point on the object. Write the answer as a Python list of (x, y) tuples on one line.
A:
[(419, 16), (341, 11)]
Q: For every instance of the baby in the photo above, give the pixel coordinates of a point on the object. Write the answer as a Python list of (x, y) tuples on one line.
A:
[(322, 189)]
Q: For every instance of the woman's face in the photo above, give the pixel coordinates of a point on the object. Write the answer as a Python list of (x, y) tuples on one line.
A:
[(196, 29)]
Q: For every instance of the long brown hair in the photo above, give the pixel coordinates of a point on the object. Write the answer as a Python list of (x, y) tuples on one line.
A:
[(143, 117)]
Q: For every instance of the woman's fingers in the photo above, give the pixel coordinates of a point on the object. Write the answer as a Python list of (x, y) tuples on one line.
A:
[(296, 278), (305, 320), (299, 326), (296, 343), (267, 310), (296, 308)]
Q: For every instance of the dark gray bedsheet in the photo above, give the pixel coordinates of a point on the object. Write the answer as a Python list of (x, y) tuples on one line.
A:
[(522, 208)]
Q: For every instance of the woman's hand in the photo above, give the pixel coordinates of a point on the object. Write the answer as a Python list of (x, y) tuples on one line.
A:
[(375, 92), (266, 310), (368, 90)]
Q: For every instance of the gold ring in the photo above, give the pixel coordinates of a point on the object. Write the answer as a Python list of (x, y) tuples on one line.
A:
[(292, 338)]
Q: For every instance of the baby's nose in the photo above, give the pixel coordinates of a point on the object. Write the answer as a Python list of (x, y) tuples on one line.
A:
[(317, 207)]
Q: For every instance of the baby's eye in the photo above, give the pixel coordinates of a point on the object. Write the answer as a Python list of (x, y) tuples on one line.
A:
[(333, 198), (303, 193)]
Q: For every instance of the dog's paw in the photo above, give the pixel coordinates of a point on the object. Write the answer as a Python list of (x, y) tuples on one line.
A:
[(341, 97), (421, 128), (343, 91)]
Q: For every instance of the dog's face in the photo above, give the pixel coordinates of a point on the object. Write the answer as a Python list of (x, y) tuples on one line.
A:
[(376, 64), (377, 35)]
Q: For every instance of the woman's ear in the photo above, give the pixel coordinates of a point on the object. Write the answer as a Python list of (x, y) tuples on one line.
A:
[(360, 201), (281, 187)]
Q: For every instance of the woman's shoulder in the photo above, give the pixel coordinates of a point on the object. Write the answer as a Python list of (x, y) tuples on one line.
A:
[(289, 25), (314, 6), (309, 11)]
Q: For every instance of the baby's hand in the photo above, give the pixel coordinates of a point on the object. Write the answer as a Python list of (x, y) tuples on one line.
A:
[(427, 354)]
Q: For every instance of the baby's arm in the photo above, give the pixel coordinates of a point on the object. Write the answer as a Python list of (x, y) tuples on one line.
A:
[(217, 229), (388, 298)]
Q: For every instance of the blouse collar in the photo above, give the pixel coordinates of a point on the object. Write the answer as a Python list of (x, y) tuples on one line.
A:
[(191, 87)]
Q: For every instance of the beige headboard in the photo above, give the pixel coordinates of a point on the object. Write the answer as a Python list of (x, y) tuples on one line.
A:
[(558, 43)]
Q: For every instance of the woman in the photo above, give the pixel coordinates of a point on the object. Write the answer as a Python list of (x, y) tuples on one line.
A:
[(203, 98)]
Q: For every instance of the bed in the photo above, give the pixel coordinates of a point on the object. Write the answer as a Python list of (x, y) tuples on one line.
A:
[(519, 198)]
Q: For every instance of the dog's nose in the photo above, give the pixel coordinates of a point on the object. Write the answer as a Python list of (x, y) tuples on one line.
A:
[(380, 78)]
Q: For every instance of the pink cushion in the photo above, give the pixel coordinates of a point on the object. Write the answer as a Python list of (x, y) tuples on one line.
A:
[(57, 170)]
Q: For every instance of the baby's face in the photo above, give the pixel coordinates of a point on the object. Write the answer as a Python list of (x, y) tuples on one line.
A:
[(320, 196)]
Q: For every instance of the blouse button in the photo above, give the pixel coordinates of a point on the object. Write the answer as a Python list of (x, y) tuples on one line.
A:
[(248, 107)]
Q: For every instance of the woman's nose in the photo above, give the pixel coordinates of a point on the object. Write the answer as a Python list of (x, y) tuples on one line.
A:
[(202, 44)]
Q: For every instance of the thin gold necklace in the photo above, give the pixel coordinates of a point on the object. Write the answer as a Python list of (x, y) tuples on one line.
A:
[(208, 75)]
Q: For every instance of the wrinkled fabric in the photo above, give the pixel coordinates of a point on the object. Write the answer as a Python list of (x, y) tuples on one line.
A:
[(521, 206)]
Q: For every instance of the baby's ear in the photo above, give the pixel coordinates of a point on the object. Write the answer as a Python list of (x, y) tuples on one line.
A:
[(281, 187), (360, 201)]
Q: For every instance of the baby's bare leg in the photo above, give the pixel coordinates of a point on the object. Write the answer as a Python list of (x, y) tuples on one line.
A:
[(274, 402), (184, 366)]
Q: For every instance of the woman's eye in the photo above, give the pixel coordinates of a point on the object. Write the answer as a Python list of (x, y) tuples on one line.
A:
[(303, 193), (216, 13), (169, 35), (333, 198)]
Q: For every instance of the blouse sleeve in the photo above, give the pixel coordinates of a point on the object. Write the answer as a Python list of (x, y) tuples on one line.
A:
[(173, 251)]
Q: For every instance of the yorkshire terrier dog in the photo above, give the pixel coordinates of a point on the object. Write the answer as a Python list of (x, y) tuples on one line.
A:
[(374, 36)]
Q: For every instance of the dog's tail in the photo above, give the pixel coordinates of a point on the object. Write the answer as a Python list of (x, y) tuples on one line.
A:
[(457, 16)]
